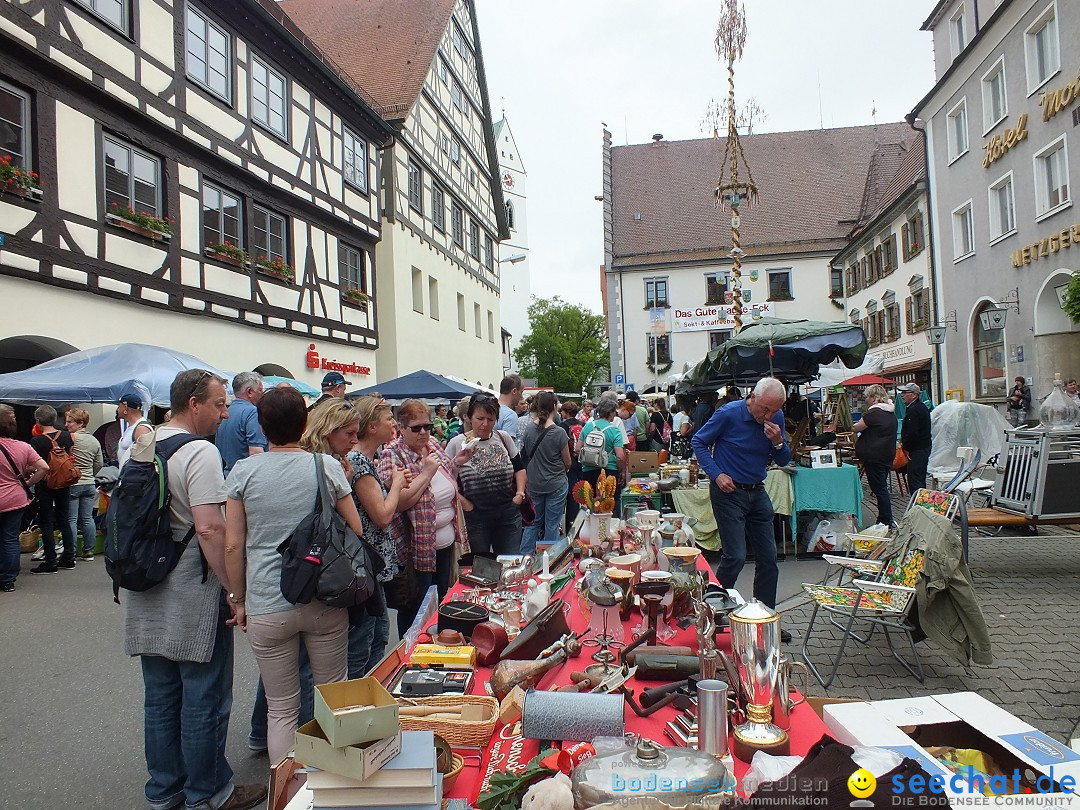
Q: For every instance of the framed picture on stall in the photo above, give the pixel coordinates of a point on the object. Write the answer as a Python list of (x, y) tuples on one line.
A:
[(824, 458)]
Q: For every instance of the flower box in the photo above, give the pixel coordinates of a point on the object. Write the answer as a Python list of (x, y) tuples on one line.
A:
[(356, 298), (31, 194), (276, 269), (128, 225), (225, 258)]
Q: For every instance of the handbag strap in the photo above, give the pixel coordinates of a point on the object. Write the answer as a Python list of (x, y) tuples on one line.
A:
[(15, 470), (325, 504)]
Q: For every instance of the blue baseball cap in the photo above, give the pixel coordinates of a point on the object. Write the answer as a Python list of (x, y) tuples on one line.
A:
[(334, 378)]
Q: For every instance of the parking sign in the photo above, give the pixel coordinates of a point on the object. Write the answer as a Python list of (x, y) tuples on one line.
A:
[(620, 379)]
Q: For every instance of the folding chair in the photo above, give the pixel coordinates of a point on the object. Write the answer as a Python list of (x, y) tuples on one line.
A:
[(883, 599)]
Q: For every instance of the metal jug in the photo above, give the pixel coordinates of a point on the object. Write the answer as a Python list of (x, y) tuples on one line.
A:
[(783, 703)]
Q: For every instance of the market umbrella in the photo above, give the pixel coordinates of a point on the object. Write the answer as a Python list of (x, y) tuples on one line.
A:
[(790, 349), (868, 379), (426, 386), (271, 380)]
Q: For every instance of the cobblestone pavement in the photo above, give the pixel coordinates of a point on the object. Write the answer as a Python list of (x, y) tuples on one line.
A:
[(1029, 590)]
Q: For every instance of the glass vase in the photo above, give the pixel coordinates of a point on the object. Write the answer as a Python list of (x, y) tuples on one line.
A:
[(686, 581), (1058, 411)]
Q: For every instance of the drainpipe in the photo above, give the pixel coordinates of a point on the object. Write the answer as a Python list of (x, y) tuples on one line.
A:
[(932, 248)]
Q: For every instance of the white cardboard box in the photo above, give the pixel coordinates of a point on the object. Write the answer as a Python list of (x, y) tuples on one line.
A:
[(963, 720)]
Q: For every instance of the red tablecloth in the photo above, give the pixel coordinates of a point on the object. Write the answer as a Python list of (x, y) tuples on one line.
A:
[(806, 727)]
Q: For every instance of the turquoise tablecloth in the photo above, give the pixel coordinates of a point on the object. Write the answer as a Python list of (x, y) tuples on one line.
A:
[(829, 489)]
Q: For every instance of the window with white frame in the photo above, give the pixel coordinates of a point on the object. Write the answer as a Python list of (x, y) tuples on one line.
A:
[(1042, 54), (221, 217), (656, 292), (780, 285), (474, 238), (132, 178), (989, 349), (15, 125), (209, 54), (268, 97), (457, 97), (958, 31), (716, 284), (114, 12), (455, 151), (489, 252), (717, 338), (963, 232), (444, 73), (457, 223), (995, 105), (268, 234), (958, 130), (1002, 208), (355, 160), (659, 349), (351, 275), (417, 290), (438, 207), (836, 281), (1052, 178), (416, 187)]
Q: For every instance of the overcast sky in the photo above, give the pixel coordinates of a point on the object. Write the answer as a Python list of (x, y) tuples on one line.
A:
[(560, 67)]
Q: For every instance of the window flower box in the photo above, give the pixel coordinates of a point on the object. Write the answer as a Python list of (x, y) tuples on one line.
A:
[(276, 268), (155, 231), (227, 253), (358, 298), (18, 181)]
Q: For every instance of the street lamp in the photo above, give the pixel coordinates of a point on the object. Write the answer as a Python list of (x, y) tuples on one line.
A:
[(517, 257), (935, 335)]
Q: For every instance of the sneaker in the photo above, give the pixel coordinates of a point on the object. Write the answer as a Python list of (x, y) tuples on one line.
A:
[(87, 556), (245, 797), (785, 637), (65, 564), (7, 587), (38, 555), (258, 746), (44, 568)]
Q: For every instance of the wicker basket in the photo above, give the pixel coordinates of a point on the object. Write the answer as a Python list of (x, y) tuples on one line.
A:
[(456, 732), (455, 771)]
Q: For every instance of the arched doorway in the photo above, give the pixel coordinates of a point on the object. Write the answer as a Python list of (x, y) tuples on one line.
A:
[(1057, 337), (20, 352), (273, 370)]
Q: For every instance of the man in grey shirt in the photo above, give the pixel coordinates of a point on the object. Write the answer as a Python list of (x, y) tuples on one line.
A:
[(509, 396)]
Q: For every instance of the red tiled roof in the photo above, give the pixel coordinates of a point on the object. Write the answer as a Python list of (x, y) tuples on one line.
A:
[(385, 46), (812, 187), (911, 170)]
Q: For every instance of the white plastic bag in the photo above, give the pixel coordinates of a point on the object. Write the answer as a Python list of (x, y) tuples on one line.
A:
[(767, 768), (823, 539)]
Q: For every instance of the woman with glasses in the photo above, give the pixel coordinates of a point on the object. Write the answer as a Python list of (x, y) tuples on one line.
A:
[(337, 428), (492, 483), (428, 518)]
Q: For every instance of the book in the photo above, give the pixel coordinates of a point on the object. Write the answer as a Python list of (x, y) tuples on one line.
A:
[(414, 766), (415, 798)]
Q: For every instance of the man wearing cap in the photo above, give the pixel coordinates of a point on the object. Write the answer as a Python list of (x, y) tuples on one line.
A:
[(333, 385), (240, 435), (129, 410), (915, 435)]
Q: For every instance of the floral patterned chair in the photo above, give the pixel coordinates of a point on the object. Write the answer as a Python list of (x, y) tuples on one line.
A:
[(881, 594)]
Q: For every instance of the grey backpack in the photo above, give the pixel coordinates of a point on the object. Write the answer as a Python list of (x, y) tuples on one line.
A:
[(594, 448)]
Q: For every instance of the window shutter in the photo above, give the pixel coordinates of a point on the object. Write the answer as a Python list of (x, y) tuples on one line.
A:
[(908, 313), (904, 241), (892, 253)]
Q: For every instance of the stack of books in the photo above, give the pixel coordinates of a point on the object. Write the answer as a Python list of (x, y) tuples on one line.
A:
[(411, 779)]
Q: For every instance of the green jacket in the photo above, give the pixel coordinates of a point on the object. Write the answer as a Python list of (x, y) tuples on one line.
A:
[(949, 611), (642, 425)]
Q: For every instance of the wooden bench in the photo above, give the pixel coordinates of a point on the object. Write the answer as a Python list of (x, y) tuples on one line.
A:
[(997, 517)]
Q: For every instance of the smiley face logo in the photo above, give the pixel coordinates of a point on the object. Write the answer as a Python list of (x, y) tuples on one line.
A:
[(861, 783)]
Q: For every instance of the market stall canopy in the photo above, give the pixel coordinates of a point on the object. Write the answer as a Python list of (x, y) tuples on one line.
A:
[(103, 374), (790, 349), (868, 379), (426, 386)]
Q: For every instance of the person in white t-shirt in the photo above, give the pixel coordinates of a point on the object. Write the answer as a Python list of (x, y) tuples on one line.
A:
[(129, 410)]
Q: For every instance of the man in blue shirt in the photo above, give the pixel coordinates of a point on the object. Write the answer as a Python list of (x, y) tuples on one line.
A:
[(240, 435), (510, 395), (733, 448)]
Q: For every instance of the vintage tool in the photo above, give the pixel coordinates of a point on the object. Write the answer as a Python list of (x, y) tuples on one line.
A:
[(666, 667), (641, 711), (755, 643), (631, 657), (508, 674), (643, 639), (614, 680), (650, 696)]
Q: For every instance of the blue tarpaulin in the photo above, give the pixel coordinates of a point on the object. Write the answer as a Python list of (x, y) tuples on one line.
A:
[(103, 374)]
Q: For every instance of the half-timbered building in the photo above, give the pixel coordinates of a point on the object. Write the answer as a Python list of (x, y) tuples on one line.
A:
[(190, 174), (437, 267)]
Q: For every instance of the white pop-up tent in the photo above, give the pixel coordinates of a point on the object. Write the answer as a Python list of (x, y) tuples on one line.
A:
[(103, 374)]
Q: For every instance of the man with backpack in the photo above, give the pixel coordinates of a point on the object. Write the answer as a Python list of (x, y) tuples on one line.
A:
[(178, 626), (53, 492)]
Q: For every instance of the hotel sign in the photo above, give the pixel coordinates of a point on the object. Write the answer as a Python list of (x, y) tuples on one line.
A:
[(995, 148), (1054, 101), (1061, 240), (707, 318)]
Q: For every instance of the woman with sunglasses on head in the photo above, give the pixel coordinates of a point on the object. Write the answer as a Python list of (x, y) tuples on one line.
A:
[(337, 428), (492, 482), (428, 516)]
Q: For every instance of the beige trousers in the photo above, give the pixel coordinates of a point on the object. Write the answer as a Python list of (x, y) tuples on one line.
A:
[(325, 633)]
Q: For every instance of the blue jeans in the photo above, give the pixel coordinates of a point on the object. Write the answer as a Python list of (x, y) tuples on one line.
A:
[(877, 476), (550, 508), (53, 508), (186, 710), (746, 516), (494, 531), (10, 522), (81, 515)]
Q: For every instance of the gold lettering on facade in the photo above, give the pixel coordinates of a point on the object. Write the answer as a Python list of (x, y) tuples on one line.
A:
[(1055, 242), (996, 147), (1043, 247), (1054, 101)]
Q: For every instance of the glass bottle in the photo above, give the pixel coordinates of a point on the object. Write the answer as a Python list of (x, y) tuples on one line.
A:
[(1058, 411)]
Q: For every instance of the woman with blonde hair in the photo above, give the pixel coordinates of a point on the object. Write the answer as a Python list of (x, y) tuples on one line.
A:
[(338, 428), (83, 494), (876, 447)]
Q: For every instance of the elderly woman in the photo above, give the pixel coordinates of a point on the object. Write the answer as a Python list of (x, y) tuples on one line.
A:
[(545, 446), (337, 428), (876, 447), (83, 494), (267, 494), (428, 519), (614, 445), (492, 483), (20, 468)]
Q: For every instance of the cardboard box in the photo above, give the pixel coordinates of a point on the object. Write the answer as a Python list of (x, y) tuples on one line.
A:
[(644, 463), (353, 712), (354, 761), (963, 720)]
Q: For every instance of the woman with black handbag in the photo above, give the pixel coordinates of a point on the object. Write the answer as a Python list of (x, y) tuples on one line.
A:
[(267, 494)]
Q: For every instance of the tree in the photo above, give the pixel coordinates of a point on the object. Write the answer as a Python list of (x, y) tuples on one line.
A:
[(566, 347)]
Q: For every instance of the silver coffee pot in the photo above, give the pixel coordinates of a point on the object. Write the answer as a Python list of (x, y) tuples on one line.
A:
[(755, 645)]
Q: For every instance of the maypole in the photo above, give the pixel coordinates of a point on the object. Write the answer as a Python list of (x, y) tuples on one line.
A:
[(731, 193)]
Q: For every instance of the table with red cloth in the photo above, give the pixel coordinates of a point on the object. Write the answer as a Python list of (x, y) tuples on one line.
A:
[(806, 727)]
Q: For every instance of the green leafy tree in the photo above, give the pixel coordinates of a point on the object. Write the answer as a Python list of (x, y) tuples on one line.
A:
[(566, 347)]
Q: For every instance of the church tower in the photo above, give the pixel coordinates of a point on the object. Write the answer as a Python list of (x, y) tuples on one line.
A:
[(513, 252)]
